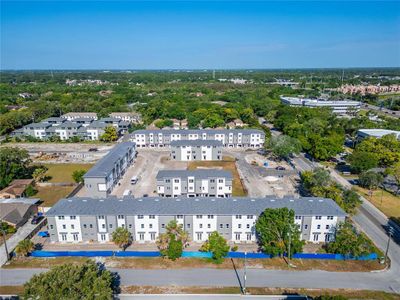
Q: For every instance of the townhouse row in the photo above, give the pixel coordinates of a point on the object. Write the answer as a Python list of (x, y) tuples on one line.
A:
[(232, 138), (196, 183), (100, 180), (94, 220), (190, 150)]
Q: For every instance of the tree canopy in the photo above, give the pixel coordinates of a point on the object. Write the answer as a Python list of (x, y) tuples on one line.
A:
[(284, 146), (122, 237), (14, 164), (172, 242), (217, 245), (110, 134)]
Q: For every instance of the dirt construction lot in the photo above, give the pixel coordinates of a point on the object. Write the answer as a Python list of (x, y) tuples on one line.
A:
[(258, 180)]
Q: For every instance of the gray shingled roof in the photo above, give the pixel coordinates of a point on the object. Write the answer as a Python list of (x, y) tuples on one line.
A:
[(69, 124), (103, 167), (196, 143), (198, 174), (192, 206), (197, 131), (38, 125), (97, 124)]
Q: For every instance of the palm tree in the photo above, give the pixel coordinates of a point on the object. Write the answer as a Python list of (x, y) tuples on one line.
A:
[(24, 247), (122, 237)]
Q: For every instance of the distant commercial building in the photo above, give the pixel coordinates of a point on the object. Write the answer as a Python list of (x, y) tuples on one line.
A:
[(339, 107), (235, 138), (196, 183), (377, 133), (100, 180), (86, 128), (189, 150), (71, 116), (89, 219), (131, 117)]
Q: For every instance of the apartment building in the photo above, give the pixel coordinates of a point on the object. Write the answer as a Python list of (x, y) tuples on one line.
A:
[(91, 219), (131, 117), (376, 133), (235, 138), (190, 150), (71, 116), (196, 183), (338, 107), (100, 180)]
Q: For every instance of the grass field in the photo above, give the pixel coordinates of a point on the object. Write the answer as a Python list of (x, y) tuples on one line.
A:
[(228, 164), (51, 194), (388, 203), (63, 172), (189, 263)]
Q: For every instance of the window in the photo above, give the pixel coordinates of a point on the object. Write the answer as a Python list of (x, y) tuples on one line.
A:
[(103, 226), (201, 225), (162, 225), (150, 226), (210, 216), (101, 217), (298, 217), (140, 216), (176, 180), (227, 225), (199, 236), (179, 216), (239, 225), (188, 225), (63, 236), (327, 227), (330, 217), (142, 226), (199, 217), (168, 180), (130, 226), (208, 225), (305, 226), (110, 225), (141, 236), (152, 216), (212, 180), (75, 236), (191, 180), (327, 237), (51, 226), (237, 236), (90, 225), (250, 217), (64, 226), (248, 226), (318, 226), (238, 216), (84, 226), (220, 180), (120, 217), (318, 218), (221, 226), (316, 237), (61, 217), (152, 236), (72, 217)]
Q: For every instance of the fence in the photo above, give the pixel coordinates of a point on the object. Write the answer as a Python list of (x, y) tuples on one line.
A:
[(195, 254)]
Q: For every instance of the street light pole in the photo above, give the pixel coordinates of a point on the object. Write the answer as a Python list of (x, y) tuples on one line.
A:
[(390, 231), (290, 242), (245, 273)]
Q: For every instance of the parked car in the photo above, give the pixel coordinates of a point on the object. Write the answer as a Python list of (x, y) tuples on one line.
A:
[(36, 219), (127, 193), (145, 195), (134, 180), (280, 168), (93, 149)]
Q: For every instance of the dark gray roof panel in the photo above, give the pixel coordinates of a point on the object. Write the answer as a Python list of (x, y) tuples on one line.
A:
[(103, 167), (191, 206)]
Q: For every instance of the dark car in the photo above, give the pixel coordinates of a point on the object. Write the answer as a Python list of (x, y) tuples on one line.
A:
[(145, 195), (36, 219), (93, 150), (280, 168)]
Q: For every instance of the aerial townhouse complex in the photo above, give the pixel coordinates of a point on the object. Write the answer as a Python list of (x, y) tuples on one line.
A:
[(131, 117), (232, 138), (339, 107), (189, 150), (100, 180), (196, 183), (91, 219), (81, 125)]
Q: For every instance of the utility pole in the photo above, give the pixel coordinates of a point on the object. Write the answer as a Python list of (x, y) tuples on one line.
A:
[(4, 240), (290, 241), (390, 231), (245, 273)]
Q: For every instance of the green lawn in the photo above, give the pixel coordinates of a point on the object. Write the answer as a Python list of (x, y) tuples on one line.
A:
[(51, 194), (63, 172)]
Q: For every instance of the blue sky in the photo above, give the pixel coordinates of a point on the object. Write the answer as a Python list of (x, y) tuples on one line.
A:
[(163, 35)]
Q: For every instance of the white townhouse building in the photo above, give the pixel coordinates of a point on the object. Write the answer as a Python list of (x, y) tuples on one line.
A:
[(231, 138), (92, 219), (190, 150), (71, 116), (131, 117), (100, 180), (195, 183)]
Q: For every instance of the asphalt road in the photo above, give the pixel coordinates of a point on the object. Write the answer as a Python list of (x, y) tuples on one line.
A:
[(388, 112)]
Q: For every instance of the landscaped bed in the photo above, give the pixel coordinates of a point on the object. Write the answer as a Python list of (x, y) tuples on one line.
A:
[(227, 163)]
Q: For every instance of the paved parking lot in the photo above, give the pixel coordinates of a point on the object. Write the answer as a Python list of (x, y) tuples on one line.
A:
[(259, 180)]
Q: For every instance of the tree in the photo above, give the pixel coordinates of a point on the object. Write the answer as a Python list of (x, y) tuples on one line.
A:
[(361, 161), (395, 172), (39, 173), (351, 200), (14, 164), (122, 237), (110, 134), (284, 146), (173, 238), (72, 281), (218, 247), (370, 179), (77, 175), (349, 242), (24, 247), (274, 229)]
